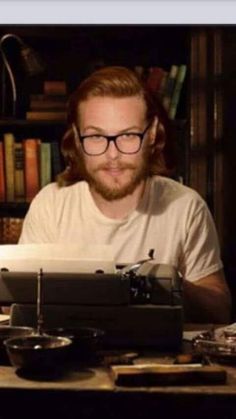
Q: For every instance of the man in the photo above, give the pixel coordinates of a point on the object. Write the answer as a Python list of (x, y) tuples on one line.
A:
[(112, 193)]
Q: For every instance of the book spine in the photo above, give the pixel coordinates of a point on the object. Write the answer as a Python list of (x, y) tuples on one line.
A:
[(19, 172), (47, 106), (162, 86), (154, 78), (177, 90), (54, 87), (32, 183), (45, 164), (2, 174), (9, 157), (46, 115), (169, 87), (56, 159), (41, 97)]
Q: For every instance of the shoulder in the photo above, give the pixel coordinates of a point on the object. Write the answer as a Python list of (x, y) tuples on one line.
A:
[(52, 199), (174, 193), (55, 192)]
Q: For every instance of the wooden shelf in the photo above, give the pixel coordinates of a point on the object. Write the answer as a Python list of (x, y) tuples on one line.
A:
[(13, 209)]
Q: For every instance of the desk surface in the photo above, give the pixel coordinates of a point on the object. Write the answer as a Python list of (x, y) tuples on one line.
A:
[(92, 393)]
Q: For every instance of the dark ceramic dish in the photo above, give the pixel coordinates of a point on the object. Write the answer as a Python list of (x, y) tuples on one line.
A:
[(86, 341), (37, 353), (7, 332)]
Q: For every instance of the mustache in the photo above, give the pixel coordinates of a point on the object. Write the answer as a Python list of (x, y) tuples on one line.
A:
[(118, 166)]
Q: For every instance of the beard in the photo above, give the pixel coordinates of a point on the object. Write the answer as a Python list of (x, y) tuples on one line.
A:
[(137, 173)]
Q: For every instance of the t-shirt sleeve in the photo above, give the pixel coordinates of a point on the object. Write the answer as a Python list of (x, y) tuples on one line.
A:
[(39, 222), (201, 252)]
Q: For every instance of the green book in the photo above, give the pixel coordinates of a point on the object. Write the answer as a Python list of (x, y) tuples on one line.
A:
[(177, 90), (45, 164), (9, 160)]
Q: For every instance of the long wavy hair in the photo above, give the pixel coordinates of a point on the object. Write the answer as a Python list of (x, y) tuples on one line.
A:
[(117, 82)]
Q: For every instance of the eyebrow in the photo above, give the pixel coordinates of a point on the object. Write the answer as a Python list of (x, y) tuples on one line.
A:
[(99, 130)]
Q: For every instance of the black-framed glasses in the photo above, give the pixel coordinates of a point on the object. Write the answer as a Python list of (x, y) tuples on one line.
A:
[(126, 143)]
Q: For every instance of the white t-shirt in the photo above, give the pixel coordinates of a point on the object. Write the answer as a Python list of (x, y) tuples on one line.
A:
[(171, 218)]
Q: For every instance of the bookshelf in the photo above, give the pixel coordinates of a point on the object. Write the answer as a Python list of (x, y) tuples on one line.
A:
[(70, 52)]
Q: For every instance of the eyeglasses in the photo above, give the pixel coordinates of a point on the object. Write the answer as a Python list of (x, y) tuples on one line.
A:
[(126, 143)]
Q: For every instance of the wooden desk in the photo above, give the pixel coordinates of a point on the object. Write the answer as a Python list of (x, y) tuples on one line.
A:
[(91, 393)]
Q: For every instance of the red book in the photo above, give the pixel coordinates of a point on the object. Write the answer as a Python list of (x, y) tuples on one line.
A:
[(154, 78), (32, 178)]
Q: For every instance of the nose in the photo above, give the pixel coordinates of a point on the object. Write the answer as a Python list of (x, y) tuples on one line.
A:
[(112, 151)]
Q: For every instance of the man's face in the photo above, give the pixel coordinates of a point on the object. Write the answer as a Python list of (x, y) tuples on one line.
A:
[(113, 174)]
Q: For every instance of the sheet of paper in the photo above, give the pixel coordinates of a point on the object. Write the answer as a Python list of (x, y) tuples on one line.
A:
[(57, 258)]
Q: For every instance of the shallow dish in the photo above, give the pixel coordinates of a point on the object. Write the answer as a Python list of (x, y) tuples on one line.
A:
[(86, 341), (7, 332), (37, 353)]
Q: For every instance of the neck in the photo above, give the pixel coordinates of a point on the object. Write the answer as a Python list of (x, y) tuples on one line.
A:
[(119, 208)]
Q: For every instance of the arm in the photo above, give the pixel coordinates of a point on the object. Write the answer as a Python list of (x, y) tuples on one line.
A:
[(208, 299)]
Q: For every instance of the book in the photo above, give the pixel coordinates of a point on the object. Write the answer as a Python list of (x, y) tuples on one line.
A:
[(169, 87), (45, 164), (177, 90), (46, 115), (167, 374), (2, 174), (31, 160), (10, 229), (47, 102), (42, 97), (162, 86), (57, 166), (19, 172), (9, 162), (54, 87), (154, 78), (44, 105)]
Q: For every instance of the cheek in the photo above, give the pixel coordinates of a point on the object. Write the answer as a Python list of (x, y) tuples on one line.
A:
[(91, 163)]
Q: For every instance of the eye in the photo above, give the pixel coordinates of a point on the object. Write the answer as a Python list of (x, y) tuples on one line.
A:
[(128, 136), (95, 137)]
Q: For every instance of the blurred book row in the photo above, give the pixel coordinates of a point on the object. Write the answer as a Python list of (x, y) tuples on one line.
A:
[(26, 166), (50, 104), (10, 230), (167, 84)]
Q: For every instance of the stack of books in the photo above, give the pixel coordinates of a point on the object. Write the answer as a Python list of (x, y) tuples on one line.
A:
[(167, 84), (26, 166), (10, 230), (49, 105)]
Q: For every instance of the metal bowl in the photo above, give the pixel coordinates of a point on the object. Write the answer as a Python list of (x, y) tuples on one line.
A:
[(37, 353), (7, 332), (86, 341)]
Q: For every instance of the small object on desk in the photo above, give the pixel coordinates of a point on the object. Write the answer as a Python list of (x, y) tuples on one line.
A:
[(118, 358), (169, 374), (191, 358), (4, 318)]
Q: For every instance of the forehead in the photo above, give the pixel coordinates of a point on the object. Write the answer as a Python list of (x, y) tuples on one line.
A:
[(104, 111)]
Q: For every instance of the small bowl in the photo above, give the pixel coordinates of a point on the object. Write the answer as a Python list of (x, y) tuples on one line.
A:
[(37, 353), (86, 341), (7, 332)]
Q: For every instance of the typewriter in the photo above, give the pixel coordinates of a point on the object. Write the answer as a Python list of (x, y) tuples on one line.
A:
[(139, 305)]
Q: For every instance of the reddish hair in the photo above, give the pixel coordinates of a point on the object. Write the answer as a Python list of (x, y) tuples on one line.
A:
[(117, 82)]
